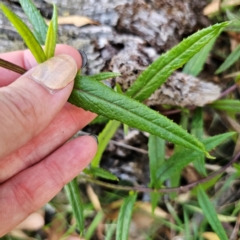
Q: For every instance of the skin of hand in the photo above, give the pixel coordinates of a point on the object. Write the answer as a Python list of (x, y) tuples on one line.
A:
[(36, 158)]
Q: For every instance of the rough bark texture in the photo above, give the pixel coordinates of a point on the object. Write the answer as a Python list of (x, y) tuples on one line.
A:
[(131, 35)]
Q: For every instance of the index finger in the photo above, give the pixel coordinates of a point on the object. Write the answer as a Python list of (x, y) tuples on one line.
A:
[(25, 59)]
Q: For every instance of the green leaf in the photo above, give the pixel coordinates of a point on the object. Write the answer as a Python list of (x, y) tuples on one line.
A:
[(230, 105), (37, 21), (187, 233), (155, 196), (52, 32), (100, 172), (50, 42), (195, 65), (182, 158), (158, 72), (94, 224), (156, 153), (233, 17), (230, 60), (95, 97), (73, 194), (174, 180), (210, 214), (103, 76), (99, 120), (25, 33), (110, 231), (197, 131), (103, 139), (124, 217)]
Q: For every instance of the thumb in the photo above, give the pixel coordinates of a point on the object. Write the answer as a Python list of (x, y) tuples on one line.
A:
[(30, 103)]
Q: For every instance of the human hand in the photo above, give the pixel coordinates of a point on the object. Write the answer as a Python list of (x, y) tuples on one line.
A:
[(35, 160)]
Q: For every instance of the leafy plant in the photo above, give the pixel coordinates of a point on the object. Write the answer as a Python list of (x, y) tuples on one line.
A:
[(91, 94)]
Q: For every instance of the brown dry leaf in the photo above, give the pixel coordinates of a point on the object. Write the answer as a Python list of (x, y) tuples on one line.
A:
[(93, 198), (191, 174), (147, 207), (210, 236), (33, 222), (216, 5), (212, 7), (78, 21)]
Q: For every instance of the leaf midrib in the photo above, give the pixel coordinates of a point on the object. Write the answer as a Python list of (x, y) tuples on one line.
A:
[(134, 114)]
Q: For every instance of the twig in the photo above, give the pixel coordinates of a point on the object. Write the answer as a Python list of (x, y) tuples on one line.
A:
[(164, 190), (227, 91), (11, 66)]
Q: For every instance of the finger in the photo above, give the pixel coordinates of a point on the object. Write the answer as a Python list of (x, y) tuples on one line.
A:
[(69, 120), (35, 186), (27, 107), (26, 60)]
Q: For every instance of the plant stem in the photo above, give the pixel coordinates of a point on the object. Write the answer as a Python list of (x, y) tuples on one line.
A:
[(164, 190), (11, 66)]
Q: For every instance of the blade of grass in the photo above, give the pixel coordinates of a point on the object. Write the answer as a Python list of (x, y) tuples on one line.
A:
[(94, 224), (25, 33), (37, 21), (210, 213), (73, 194), (124, 217), (230, 60)]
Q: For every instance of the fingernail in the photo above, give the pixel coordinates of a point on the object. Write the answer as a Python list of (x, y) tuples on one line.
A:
[(95, 137), (56, 73), (84, 58)]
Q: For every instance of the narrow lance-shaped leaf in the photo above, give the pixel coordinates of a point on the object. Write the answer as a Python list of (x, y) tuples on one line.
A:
[(94, 224), (73, 194), (181, 159), (174, 180), (230, 60), (100, 172), (197, 131), (156, 153), (51, 38), (104, 138), (25, 33), (158, 72), (37, 21), (210, 214), (96, 97), (230, 105), (195, 65), (124, 217)]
